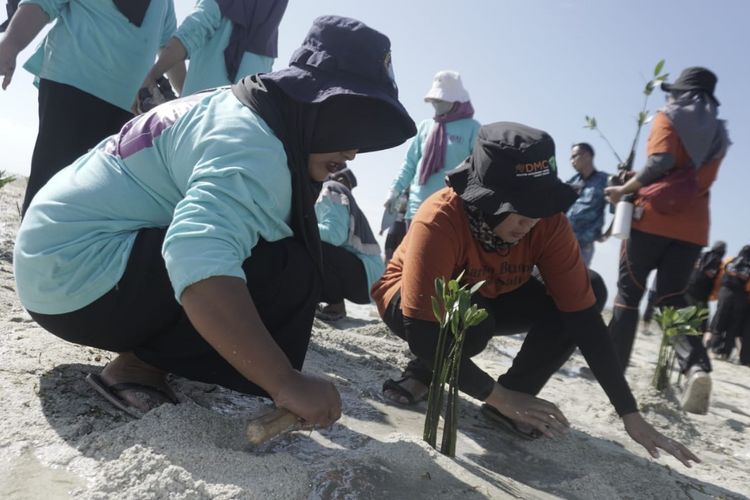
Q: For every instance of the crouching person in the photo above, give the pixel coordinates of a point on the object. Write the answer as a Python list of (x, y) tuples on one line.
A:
[(501, 215), (351, 254), (187, 243)]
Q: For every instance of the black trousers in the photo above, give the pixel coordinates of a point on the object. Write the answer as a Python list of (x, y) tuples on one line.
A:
[(727, 323), (528, 309), (141, 315), (344, 276), (673, 261), (70, 123), (745, 350), (394, 237)]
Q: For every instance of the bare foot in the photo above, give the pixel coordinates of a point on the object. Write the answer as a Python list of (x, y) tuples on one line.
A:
[(127, 368)]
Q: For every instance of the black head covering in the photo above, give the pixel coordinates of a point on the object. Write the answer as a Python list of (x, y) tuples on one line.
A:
[(255, 28), (134, 10), (512, 168), (694, 78), (10, 8), (350, 103)]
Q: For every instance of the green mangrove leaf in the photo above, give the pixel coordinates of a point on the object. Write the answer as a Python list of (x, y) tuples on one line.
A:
[(659, 66)]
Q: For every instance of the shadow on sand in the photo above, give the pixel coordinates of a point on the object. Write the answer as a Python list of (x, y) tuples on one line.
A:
[(344, 464)]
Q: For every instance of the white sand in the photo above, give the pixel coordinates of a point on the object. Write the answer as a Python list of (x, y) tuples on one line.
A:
[(58, 439)]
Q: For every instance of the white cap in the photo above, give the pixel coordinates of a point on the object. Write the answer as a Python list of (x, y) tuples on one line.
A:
[(447, 86)]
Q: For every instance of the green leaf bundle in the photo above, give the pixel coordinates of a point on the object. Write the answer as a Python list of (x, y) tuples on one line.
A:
[(452, 307), (674, 322)]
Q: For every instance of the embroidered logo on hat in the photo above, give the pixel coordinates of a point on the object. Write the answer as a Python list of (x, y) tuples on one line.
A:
[(536, 168)]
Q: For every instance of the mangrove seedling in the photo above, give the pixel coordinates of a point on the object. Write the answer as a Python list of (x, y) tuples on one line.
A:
[(455, 313), (673, 323)]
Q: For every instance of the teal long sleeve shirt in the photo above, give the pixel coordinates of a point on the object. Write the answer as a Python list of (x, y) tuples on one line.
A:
[(333, 224), (93, 47), (205, 167), (205, 34), (460, 137)]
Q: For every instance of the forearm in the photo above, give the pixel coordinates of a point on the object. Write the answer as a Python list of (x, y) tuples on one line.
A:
[(591, 336), (657, 166), (176, 75), (223, 312), (173, 53), (26, 24)]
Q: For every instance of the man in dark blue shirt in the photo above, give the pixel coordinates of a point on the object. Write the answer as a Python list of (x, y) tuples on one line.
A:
[(586, 215)]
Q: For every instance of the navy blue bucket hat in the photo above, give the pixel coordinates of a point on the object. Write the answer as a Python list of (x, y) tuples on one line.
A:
[(344, 57), (512, 168)]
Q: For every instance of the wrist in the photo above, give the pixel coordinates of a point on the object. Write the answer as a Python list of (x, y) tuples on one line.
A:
[(631, 417), (287, 378), (10, 46), (496, 396)]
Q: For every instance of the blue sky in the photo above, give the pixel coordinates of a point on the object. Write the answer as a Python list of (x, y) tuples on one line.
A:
[(543, 63)]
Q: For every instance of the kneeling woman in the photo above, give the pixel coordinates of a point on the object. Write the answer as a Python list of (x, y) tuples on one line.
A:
[(351, 255), (188, 242), (502, 215)]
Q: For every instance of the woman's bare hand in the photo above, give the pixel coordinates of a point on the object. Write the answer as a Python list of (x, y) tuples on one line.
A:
[(644, 434), (531, 410)]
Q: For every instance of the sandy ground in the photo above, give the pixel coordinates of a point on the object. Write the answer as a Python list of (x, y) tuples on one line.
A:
[(58, 439)]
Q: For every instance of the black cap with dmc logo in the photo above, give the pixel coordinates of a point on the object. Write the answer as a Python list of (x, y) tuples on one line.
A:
[(512, 168)]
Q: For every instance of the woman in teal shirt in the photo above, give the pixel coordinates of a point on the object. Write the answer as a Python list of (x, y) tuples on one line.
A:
[(441, 143), (188, 244), (89, 67), (351, 254), (225, 40)]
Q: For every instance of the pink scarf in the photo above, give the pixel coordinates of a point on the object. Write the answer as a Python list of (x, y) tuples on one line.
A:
[(434, 154)]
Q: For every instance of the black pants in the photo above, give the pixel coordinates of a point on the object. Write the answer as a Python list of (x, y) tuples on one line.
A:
[(344, 276), (727, 323), (673, 261), (395, 235), (141, 315), (70, 123), (650, 305), (745, 350), (528, 309)]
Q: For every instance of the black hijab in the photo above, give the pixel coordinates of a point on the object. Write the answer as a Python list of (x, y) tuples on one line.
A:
[(340, 123), (10, 8), (293, 124), (134, 10), (255, 28)]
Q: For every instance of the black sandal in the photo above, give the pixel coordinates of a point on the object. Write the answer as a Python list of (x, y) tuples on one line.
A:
[(395, 386)]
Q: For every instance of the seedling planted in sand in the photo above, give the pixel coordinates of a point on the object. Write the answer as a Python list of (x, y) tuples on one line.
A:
[(455, 313), (674, 322)]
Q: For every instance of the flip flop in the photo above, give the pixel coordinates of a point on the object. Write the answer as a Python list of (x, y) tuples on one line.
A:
[(111, 393), (395, 386), (508, 424), (329, 316)]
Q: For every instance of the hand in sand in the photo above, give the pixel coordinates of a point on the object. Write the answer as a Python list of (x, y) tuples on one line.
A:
[(315, 400), (644, 434), (530, 410)]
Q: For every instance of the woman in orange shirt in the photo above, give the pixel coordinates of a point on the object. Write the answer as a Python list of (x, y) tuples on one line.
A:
[(501, 216), (685, 147)]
